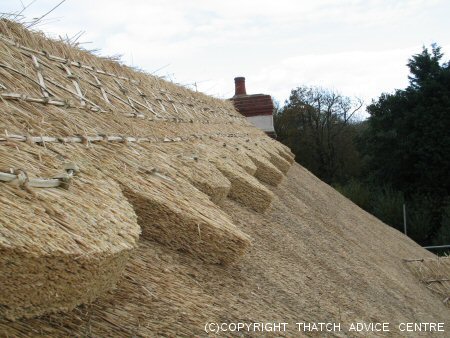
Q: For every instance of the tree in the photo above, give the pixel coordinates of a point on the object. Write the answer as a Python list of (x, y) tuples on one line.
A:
[(315, 124), (407, 140)]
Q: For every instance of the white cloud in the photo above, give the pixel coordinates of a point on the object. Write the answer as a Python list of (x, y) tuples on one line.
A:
[(356, 73)]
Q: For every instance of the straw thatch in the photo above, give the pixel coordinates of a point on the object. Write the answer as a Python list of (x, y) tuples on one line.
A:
[(118, 191), (434, 273), (315, 257), (244, 187), (146, 148), (55, 255), (278, 161), (194, 166), (266, 171), (215, 185), (283, 151)]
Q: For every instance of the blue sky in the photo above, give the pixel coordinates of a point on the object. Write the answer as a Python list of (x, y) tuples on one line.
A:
[(359, 48)]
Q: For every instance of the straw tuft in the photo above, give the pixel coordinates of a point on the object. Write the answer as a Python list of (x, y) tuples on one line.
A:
[(434, 273)]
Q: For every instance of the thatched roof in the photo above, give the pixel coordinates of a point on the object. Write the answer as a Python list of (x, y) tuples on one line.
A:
[(135, 139), (133, 206)]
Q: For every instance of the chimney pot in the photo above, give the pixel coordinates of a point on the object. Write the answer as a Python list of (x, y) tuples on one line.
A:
[(239, 84)]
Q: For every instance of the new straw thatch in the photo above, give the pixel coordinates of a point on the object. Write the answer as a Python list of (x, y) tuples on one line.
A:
[(244, 187), (55, 254), (130, 206), (134, 139)]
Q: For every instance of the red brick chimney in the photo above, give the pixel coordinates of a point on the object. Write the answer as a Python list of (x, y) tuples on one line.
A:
[(239, 85), (258, 108)]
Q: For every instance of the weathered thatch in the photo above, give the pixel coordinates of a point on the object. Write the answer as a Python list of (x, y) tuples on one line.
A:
[(146, 148)]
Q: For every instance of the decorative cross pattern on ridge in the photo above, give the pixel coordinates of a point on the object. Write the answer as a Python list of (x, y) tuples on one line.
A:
[(64, 83)]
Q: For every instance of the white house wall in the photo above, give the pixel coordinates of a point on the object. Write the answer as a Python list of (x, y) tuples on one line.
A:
[(263, 122)]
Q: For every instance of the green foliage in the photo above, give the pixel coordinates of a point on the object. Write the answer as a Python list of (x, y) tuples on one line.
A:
[(407, 141), (420, 218), (407, 144), (387, 205), (359, 193)]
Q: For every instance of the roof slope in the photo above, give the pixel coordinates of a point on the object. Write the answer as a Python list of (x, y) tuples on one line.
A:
[(315, 257), (168, 156), (180, 212)]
